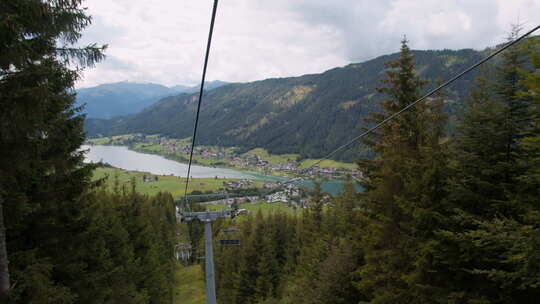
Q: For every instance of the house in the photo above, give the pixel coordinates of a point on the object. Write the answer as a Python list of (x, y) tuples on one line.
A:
[(147, 179), (242, 212), (277, 197)]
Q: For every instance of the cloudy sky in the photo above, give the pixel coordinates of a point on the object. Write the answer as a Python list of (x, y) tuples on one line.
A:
[(163, 41)]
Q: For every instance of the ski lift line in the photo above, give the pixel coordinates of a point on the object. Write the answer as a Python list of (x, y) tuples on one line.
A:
[(201, 91), (448, 82)]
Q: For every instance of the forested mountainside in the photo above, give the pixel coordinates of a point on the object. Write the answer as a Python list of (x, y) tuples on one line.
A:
[(439, 221), (310, 114)]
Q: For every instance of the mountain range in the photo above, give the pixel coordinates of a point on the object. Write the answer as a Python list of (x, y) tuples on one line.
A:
[(123, 98), (310, 114), (208, 85)]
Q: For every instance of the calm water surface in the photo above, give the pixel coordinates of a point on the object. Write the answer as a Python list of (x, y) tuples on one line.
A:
[(123, 158)]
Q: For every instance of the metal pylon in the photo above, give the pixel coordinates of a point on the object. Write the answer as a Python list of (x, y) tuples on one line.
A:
[(207, 217)]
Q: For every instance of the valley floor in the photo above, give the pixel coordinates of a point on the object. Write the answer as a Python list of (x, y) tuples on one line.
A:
[(146, 182), (258, 160), (114, 177)]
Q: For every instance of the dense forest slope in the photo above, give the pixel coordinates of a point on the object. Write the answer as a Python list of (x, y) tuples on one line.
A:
[(310, 114)]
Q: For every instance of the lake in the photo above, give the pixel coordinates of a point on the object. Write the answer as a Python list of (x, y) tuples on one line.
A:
[(123, 158)]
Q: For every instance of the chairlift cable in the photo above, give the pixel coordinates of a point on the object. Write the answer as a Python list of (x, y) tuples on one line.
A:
[(201, 92)]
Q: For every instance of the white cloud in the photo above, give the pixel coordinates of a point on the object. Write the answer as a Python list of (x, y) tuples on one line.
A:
[(163, 41)]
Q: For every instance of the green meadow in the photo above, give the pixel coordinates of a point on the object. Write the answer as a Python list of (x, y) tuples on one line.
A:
[(165, 183), (253, 208), (189, 285), (327, 163)]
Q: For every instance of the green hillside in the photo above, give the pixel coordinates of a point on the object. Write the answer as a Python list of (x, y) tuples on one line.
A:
[(309, 115)]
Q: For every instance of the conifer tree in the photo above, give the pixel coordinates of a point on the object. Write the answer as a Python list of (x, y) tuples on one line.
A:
[(334, 283), (227, 264), (312, 251), (477, 175), (342, 233), (530, 181), (40, 130), (403, 189), (249, 259), (267, 267), (489, 232), (508, 90)]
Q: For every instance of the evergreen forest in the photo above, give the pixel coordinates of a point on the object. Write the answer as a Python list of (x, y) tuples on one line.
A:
[(448, 214), (443, 218), (63, 237)]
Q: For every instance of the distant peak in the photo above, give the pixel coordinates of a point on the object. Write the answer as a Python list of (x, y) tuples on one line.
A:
[(208, 85)]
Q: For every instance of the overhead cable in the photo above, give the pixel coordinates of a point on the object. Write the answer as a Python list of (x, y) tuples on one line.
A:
[(201, 92)]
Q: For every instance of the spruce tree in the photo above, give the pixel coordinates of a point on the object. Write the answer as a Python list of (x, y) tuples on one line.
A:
[(313, 249), (267, 267), (478, 165), (334, 282), (342, 232), (227, 264), (249, 259), (40, 130), (508, 90), (403, 189), (489, 233), (530, 181)]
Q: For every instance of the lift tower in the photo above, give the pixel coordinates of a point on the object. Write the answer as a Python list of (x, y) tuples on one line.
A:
[(207, 217)]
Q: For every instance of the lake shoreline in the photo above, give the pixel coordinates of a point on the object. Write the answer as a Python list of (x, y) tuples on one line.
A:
[(123, 158), (256, 160)]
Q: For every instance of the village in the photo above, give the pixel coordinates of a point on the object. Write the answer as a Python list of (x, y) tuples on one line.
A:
[(244, 191), (287, 194), (231, 157)]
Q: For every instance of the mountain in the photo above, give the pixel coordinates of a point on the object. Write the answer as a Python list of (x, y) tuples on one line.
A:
[(311, 114), (123, 98), (208, 85), (181, 88), (120, 98)]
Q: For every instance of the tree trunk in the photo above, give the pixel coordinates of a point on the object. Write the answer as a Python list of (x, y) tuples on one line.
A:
[(4, 267)]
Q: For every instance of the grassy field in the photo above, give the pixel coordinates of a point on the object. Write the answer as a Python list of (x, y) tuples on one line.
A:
[(149, 147), (327, 163), (165, 183), (282, 158), (113, 140), (183, 156), (189, 285), (265, 208), (273, 159), (100, 141)]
